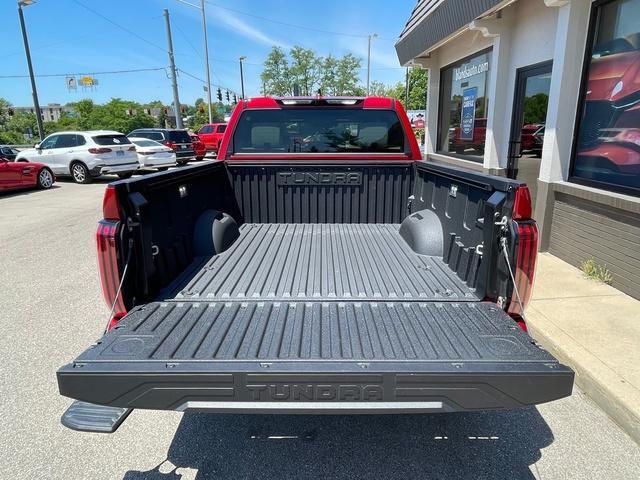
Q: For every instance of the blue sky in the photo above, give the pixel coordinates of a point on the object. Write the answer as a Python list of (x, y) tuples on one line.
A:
[(65, 37)]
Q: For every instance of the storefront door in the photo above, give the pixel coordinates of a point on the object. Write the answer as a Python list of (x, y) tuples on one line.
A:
[(528, 123)]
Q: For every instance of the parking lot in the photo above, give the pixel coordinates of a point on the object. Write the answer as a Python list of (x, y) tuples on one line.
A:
[(52, 308)]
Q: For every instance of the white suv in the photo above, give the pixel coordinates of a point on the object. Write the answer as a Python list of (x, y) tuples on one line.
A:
[(85, 155)]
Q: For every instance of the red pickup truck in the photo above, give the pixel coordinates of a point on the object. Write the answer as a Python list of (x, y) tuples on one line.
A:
[(320, 266), (211, 135)]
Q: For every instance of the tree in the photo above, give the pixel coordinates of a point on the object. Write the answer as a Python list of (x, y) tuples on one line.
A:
[(418, 83), (276, 76), (306, 72), (347, 75), (535, 108)]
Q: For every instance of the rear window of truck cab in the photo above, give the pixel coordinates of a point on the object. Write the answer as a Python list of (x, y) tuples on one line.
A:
[(318, 130)]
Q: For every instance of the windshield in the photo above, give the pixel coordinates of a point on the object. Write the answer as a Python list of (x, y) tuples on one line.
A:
[(146, 143), (318, 130), (111, 140), (179, 136)]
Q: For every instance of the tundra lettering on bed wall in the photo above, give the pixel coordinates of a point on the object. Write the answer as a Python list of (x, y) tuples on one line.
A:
[(319, 178)]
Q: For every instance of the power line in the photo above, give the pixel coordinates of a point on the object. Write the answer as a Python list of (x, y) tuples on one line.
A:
[(111, 72), (293, 25), (130, 32), (201, 80)]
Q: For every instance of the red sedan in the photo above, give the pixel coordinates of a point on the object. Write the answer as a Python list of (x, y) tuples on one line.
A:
[(198, 146), (16, 175)]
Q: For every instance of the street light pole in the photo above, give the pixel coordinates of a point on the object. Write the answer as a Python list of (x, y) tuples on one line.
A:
[(206, 59), (174, 76), (242, 77), (34, 91), (371, 37), (206, 51)]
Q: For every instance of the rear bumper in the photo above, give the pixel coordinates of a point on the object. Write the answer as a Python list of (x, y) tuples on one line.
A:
[(120, 168), (317, 387)]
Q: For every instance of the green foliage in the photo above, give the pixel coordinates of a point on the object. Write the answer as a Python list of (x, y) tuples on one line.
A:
[(305, 70), (535, 108), (418, 82), (596, 272)]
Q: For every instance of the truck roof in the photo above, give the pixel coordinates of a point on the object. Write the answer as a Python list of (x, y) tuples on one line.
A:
[(280, 102)]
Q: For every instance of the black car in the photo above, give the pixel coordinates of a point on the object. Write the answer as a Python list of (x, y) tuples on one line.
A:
[(176, 139), (8, 152)]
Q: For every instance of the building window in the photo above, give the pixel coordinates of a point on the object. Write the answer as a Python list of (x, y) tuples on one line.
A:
[(607, 150), (462, 121)]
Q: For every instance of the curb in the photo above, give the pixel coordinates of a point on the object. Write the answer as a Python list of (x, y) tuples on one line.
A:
[(607, 390)]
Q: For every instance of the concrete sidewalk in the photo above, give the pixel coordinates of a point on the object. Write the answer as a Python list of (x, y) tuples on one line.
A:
[(595, 329)]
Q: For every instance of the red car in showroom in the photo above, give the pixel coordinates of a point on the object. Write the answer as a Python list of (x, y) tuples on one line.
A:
[(18, 175), (211, 135), (609, 138)]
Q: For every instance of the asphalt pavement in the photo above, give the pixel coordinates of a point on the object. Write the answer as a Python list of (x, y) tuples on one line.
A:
[(51, 309)]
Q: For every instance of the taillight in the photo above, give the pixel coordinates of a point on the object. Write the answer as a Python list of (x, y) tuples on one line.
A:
[(522, 209), (169, 144), (526, 254), (96, 151), (110, 209), (106, 242)]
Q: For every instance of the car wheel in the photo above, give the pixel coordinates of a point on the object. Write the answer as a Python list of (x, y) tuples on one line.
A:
[(125, 175), (80, 173), (45, 178), (22, 160), (199, 159)]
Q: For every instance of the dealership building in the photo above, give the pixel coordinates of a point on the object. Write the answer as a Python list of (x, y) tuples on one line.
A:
[(548, 92)]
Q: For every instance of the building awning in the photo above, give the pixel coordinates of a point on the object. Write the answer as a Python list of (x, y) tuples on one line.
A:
[(434, 20)]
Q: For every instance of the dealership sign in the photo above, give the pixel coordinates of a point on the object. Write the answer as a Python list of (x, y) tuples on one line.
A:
[(469, 96), (469, 71)]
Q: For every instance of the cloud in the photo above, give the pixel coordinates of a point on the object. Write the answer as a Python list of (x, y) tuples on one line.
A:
[(240, 27), (383, 54)]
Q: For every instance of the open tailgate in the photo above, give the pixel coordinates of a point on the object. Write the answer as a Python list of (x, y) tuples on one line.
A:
[(317, 357)]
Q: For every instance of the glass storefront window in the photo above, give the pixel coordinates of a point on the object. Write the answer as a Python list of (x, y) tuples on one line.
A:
[(608, 140), (463, 107)]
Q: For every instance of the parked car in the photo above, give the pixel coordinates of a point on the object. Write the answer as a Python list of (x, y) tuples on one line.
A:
[(538, 141), (198, 146), (152, 154), (211, 135), (17, 175), (8, 152), (319, 276), (527, 136), (84, 155), (176, 139)]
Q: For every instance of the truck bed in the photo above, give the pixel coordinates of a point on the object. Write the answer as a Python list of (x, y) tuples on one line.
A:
[(283, 262), (317, 318)]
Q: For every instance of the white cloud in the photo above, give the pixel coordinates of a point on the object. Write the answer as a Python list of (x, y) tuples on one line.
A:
[(240, 27)]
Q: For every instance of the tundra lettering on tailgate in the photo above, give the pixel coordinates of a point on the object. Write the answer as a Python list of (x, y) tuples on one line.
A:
[(319, 178), (314, 392)]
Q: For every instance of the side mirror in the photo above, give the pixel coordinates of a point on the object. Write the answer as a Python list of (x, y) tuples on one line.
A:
[(37, 146)]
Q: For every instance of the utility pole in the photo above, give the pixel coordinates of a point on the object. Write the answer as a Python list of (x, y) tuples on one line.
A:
[(174, 77), (34, 91), (206, 59), (371, 37), (406, 90), (242, 77)]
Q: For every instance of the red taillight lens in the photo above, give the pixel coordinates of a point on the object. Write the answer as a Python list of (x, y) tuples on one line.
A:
[(96, 151), (526, 254), (106, 242), (110, 209), (522, 204), (169, 144)]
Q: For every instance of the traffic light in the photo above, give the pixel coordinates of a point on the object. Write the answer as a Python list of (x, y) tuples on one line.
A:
[(235, 99), (227, 96), (219, 95)]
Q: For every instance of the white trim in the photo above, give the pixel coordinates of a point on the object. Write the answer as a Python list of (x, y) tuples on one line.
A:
[(312, 407)]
